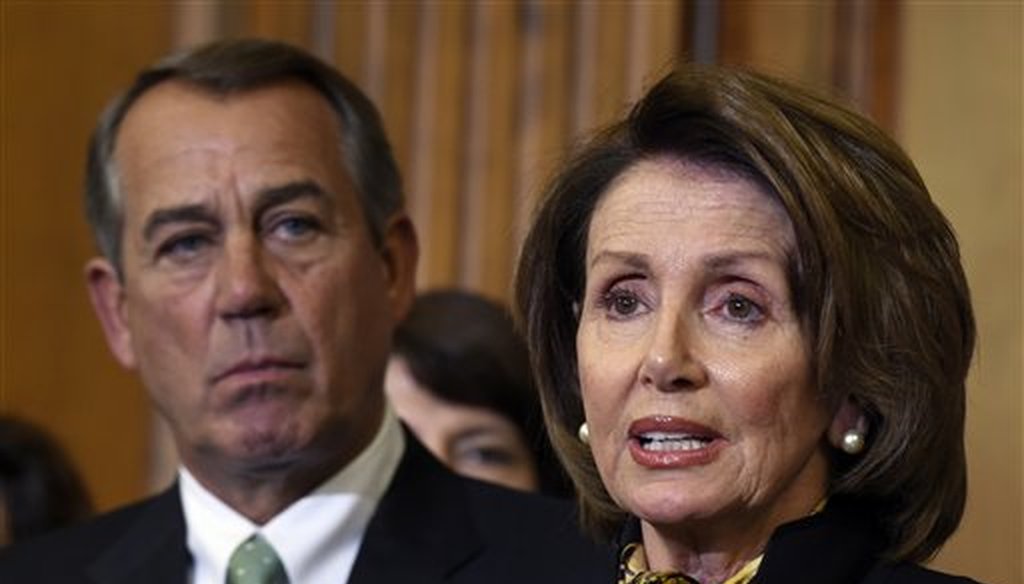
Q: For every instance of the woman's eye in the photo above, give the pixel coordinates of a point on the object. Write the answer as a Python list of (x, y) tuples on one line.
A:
[(621, 303), (743, 309), (487, 455)]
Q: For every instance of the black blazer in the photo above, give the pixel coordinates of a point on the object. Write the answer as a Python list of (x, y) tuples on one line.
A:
[(430, 527), (840, 545)]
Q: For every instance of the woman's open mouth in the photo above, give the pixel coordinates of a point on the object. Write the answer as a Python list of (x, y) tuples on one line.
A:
[(670, 442)]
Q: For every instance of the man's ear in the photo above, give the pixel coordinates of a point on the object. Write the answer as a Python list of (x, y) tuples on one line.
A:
[(849, 416), (400, 250), (107, 295)]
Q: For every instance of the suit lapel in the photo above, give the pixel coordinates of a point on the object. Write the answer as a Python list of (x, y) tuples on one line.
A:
[(151, 550), (422, 530)]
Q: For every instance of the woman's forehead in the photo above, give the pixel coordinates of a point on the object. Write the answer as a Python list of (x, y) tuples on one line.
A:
[(662, 199)]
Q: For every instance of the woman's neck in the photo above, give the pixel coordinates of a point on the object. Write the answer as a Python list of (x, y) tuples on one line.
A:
[(701, 559), (711, 551)]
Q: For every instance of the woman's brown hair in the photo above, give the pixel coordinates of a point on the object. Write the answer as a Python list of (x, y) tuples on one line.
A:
[(877, 282)]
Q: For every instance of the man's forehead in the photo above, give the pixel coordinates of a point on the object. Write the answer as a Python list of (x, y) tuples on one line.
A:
[(177, 116), (177, 108), (181, 143)]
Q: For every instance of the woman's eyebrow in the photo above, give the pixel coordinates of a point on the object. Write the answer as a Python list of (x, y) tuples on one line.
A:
[(632, 259), (720, 262)]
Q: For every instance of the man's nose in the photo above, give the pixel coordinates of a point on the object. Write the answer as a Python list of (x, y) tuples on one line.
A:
[(673, 361), (246, 284)]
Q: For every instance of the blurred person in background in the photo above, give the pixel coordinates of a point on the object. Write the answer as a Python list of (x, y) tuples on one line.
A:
[(459, 377), (40, 489)]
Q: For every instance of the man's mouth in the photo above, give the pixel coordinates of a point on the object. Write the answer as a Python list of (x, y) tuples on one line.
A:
[(258, 367)]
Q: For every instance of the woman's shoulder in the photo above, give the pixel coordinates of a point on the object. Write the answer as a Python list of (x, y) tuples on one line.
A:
[(904, 573)]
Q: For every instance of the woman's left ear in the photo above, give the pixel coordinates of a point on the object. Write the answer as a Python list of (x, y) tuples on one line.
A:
[(849, 427)]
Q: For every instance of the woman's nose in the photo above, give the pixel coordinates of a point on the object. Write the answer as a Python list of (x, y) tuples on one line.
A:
[(672, 361), (246, 286)]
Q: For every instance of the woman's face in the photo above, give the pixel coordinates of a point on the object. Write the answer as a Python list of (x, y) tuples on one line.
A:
[(473, 441), (694, 367)]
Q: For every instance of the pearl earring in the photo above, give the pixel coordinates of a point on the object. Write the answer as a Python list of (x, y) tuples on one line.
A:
[(853, 441), (584, 433)]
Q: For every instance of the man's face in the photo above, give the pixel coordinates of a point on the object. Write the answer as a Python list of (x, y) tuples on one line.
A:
[(253, 301)]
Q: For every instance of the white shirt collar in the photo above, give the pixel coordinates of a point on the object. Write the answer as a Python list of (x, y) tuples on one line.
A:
[(317, 537)]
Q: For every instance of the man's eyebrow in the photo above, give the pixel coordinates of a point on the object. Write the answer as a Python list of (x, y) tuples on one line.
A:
[(184, 214), (271, 197), (200, 213)]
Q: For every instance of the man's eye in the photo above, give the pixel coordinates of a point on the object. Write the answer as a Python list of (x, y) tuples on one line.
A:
[(295, 228), (743, 309), (184, 247)]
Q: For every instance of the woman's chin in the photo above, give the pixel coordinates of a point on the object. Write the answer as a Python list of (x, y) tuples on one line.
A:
[(666, 504)]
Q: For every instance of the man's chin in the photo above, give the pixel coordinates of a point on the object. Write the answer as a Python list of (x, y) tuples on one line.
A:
[(256, 449), (271, 446)]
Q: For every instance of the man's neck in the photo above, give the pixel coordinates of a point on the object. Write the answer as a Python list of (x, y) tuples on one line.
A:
[(262, 497), (260, 492)]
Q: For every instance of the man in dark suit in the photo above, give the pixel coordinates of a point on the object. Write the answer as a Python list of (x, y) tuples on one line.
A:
[(256, 256)]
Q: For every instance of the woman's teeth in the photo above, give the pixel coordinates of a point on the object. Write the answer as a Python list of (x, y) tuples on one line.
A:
[(662, 441)]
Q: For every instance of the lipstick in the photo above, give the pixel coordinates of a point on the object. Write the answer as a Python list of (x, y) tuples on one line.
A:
[(664, 442)]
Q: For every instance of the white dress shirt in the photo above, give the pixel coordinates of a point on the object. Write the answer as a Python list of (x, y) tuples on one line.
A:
[(317, 537)]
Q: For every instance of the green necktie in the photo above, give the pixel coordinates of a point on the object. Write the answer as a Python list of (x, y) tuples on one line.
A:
[(255, 562)]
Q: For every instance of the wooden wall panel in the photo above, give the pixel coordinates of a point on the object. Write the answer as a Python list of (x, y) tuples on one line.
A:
[(486, 250), (439, 139), (61, 63), (790, 39), (391, 68), (290, 21), (601, 41), (655, 44), (545, 105), (846, 49), (351, 36)]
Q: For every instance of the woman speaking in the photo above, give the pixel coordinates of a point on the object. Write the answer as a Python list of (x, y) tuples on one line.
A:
[(751, 330)]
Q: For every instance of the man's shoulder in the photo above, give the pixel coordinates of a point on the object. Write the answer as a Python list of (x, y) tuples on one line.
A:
[(541, 532), (458, 530), (497, 514), (499, 509), (63, 554)]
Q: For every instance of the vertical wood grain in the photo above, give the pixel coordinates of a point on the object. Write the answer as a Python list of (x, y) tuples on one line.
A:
[(545, 102), (438, 138), (487, 192), (62, 62), (351, 40)]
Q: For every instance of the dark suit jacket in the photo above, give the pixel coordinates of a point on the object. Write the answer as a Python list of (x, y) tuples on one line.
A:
[(430, 527), (840, 545)]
